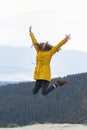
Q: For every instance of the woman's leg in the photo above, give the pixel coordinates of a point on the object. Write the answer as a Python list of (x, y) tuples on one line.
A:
[(45, 89), (38, 85)]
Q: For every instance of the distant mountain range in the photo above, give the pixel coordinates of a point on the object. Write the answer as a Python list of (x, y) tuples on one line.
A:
[(17, 63)]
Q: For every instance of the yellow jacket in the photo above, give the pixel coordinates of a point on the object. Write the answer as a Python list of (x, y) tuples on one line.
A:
[(43, 59)]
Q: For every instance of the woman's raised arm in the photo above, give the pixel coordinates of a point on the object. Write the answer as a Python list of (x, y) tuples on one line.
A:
[(34, 40)]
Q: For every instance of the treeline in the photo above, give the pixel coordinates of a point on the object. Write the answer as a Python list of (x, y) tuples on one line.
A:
[(67, 104)]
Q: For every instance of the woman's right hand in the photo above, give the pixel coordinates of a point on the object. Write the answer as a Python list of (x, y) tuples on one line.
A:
[(30, 28)]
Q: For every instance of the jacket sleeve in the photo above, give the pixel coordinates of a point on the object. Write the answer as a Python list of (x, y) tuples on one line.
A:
[(34, 40), (57, 47)]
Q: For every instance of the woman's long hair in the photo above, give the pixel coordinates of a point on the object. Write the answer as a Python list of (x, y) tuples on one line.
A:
[(44, 46)]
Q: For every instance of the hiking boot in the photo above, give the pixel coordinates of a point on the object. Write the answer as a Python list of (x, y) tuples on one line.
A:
[(61, 82)]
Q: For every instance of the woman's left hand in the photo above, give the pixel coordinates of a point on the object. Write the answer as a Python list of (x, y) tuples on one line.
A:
[(68, 37)]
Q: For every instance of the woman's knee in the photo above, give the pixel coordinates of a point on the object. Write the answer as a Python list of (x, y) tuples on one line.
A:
[(44, 93)]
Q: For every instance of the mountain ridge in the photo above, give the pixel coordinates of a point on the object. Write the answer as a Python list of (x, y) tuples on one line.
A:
[(17, 61), (66, 104)]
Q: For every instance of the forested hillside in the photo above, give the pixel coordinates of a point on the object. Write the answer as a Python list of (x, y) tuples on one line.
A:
[(67, 104)]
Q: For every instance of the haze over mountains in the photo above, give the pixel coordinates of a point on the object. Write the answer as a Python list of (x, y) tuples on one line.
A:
[(17, 63)]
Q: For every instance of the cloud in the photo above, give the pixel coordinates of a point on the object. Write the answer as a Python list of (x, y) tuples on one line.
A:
[(49, 22)]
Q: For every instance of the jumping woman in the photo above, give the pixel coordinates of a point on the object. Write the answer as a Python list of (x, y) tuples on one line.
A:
[(42, 73)]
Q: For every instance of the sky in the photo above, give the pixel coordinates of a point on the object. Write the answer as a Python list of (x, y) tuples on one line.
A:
[(50, 20)]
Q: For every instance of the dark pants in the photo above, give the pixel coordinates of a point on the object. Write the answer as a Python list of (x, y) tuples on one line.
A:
[(44, 85)]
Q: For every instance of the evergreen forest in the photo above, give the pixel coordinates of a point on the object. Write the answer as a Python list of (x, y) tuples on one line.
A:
[(67, 104)]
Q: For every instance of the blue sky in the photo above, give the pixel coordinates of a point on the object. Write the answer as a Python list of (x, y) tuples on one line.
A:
[(50, 20)]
